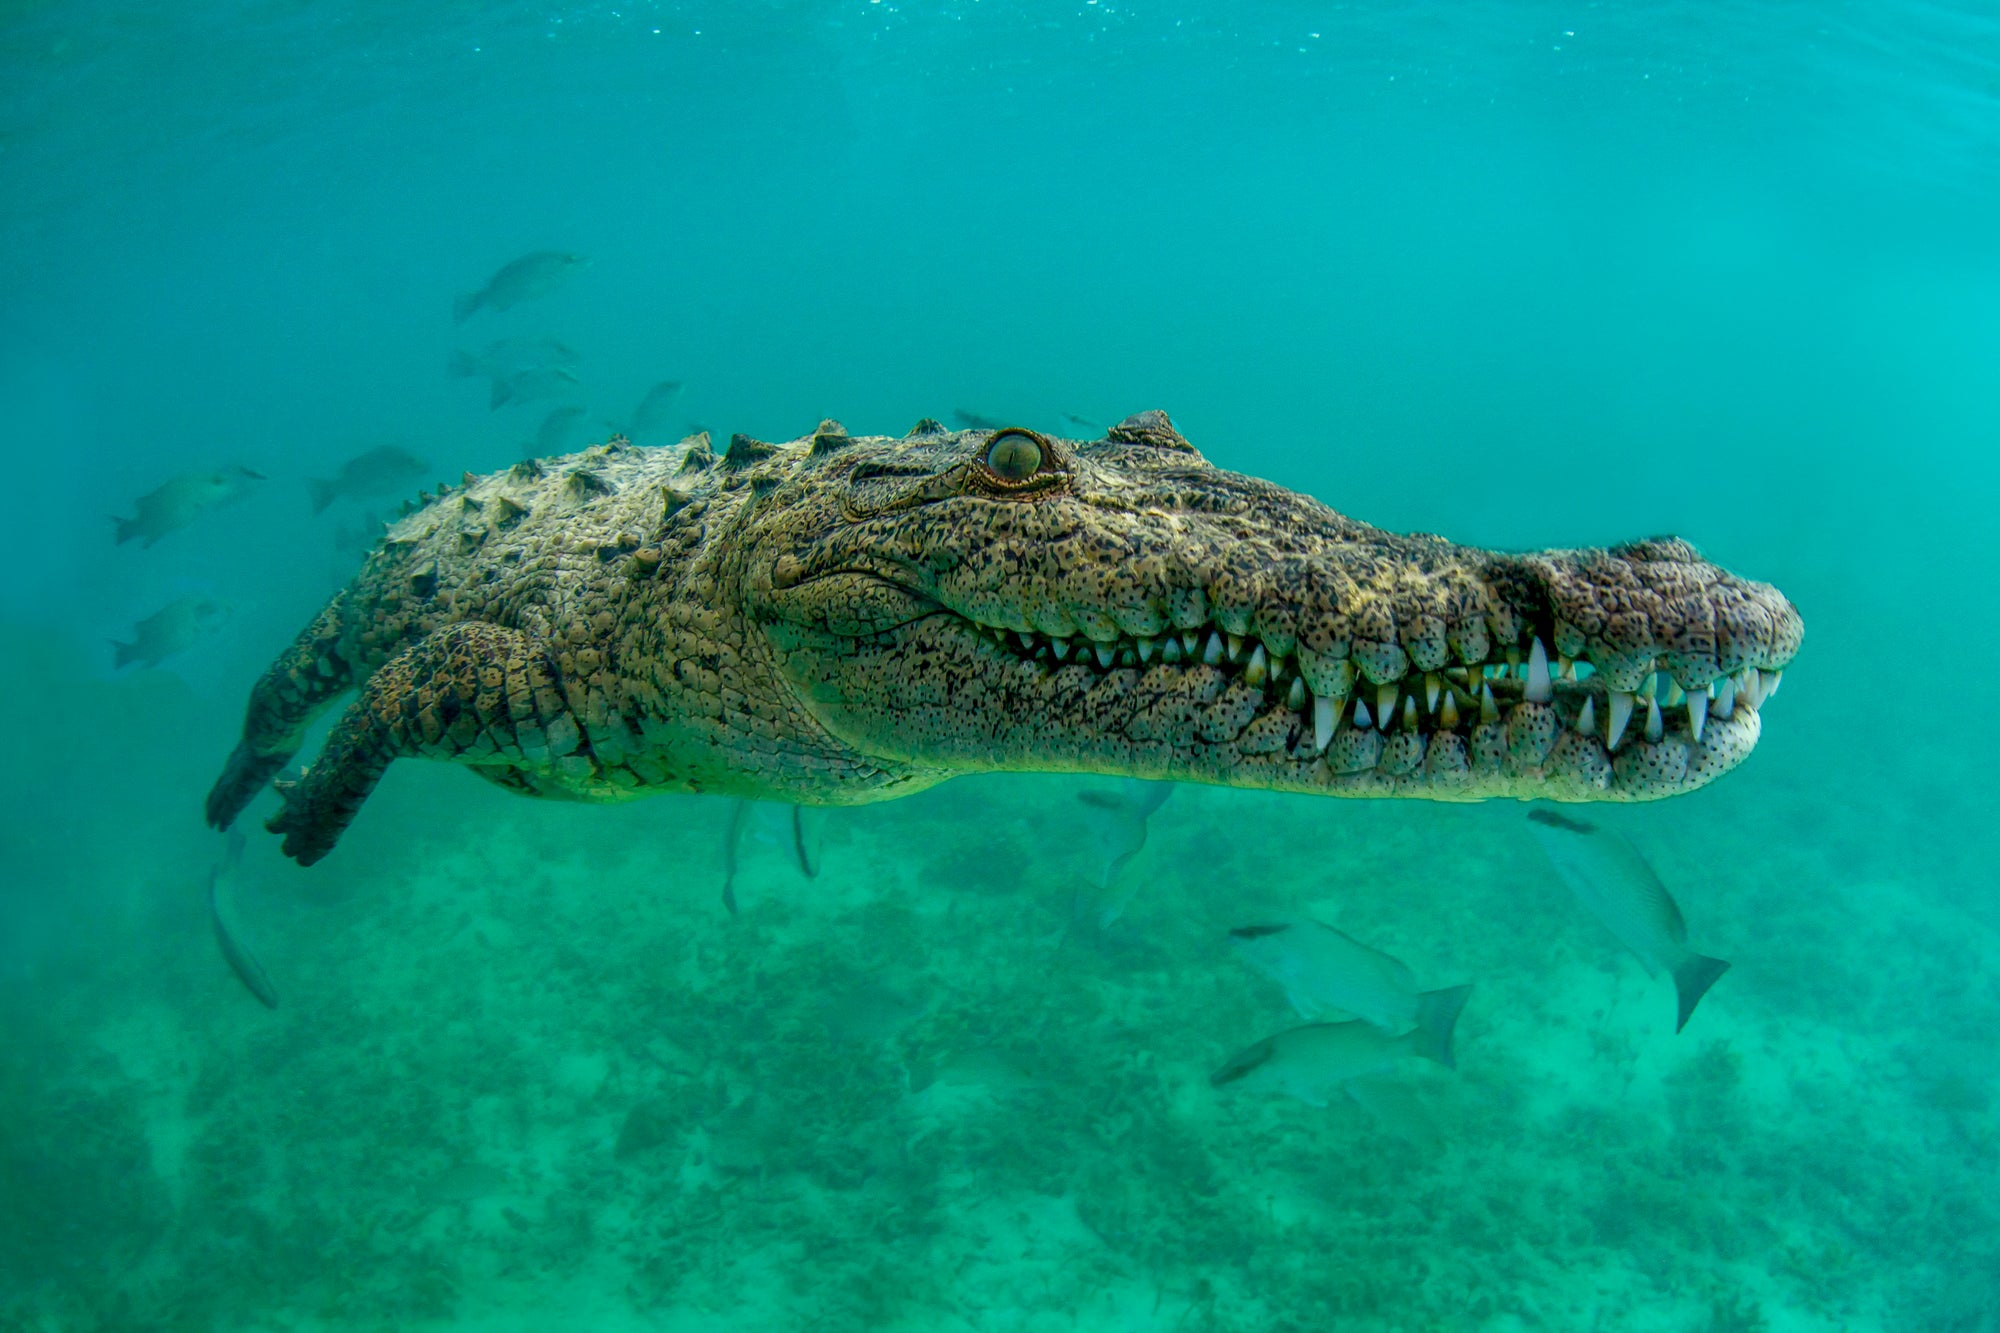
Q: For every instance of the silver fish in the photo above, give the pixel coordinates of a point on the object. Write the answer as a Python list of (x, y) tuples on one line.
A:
[(179, 502), (652, 415), (383, 470), (525, 279), (553, 435), (1326, 971), (504, 356), (1316, 1062), (1121, 834), (241, 961), (171, 630), (1609, 876), (527, 386)]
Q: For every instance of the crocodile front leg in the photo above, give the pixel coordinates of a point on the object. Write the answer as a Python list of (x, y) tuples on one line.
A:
[(305, 678), (473, 692)]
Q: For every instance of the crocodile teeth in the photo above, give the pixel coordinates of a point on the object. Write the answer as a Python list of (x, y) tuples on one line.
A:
[(1431, 687), (1027, 639), (1211, 652), (1324, 716), (1675, 694), (1257, 669), (1190, 643), (1772, 680), (1105, 654), (1586, 721), (1654, 727), (1619, 713), (1145, 650), (1385, 704), (1409, 712), (1235, 642), (1697, 703), (1361, 718), (1725, 697), (1170, 650), (1538, 690), (1060, 647), (1448, 715), (1295, 696), (1489, 711)]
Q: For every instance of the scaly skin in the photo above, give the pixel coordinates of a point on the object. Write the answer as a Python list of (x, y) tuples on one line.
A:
[(838, 620)]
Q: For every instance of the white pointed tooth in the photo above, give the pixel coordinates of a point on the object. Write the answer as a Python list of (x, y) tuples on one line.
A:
[(1211, 652), (1324, 716), (1586, 721), (1105, 652), (1725, 697), (1489, 711), (1616, 716), (1697, 713), (1750, 687), (1257, 668), (1385, 704), (1538, 690), (1650, 687), (1295, 694), (1674, 693), (1654, 727), (1170, 650), (1772, 680), (1236, 647), (1027, 639), (1432, 687), (1409, 712), (1190, 643), (1145, 650), (1060, 647), (1361, 718), (1565, 667), (1448, 715)]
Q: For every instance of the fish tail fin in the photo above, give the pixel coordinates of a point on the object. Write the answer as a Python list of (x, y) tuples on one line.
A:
[(464, 307), (322, 494), (1691, 981), (128, 528), (122, 653), (1437, 1015)]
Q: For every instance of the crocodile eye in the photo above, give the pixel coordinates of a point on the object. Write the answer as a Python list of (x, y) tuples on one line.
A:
[(1014, 455)]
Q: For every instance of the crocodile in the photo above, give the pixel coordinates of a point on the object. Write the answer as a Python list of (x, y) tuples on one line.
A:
[(839, 619)]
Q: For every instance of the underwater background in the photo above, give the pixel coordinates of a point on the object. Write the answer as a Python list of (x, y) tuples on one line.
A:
[(1523, 274)]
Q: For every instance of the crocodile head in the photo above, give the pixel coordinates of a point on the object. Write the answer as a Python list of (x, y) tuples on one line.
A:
[(960, 601)]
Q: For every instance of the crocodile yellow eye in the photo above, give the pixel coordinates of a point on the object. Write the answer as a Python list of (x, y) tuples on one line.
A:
[(1014, 455)]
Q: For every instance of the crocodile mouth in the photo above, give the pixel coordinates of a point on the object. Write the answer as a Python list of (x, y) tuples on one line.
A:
[(1524, 722)]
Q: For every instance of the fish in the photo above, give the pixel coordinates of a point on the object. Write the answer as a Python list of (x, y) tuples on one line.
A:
[(171, 630), (985, 1067), (1121, 834), (528, 386), (383, 470), (1316, 1062), (1610, 877), (1079, 428), (525, 279), (651, 416), (504, 356), (805, 843), (553, 435), (869, 1012), (174, 504), (1327, 971), (241, 961), (975, 421)]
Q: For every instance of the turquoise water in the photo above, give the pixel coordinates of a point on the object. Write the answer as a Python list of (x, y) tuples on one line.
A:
[(1524, 275)]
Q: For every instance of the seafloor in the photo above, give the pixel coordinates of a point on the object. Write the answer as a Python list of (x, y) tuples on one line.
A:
[(529, 1075)]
